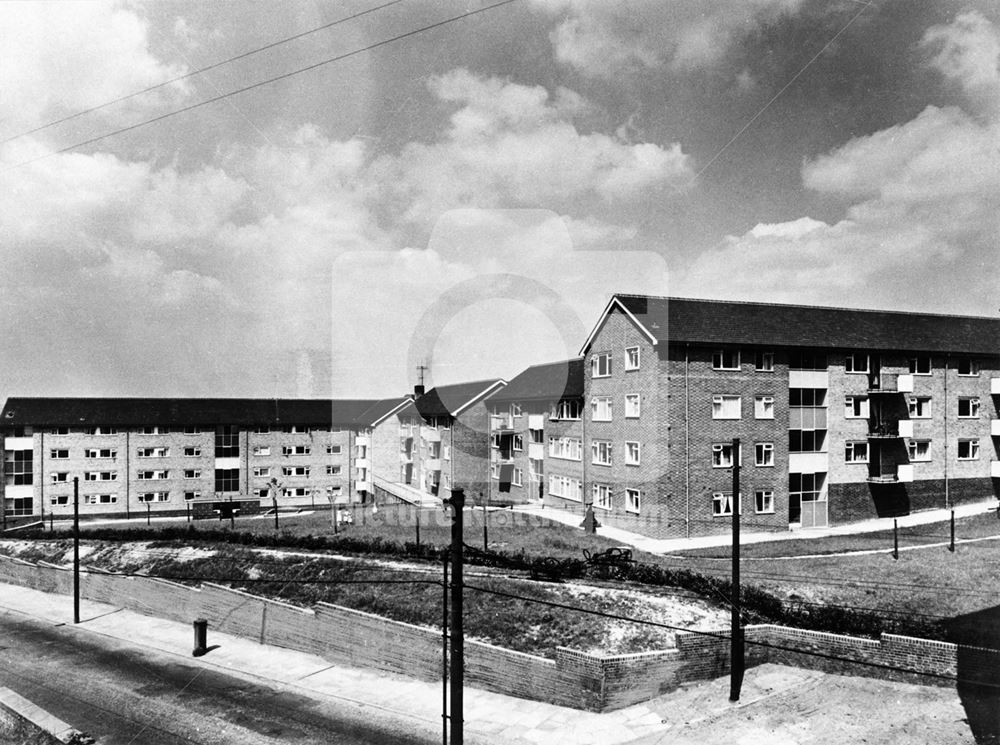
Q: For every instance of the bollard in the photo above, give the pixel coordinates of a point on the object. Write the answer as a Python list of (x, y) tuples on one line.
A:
[(200, 637)]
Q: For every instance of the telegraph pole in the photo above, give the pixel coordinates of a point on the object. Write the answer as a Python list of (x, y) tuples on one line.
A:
[(736, 661), (457, 503), (76, 549)]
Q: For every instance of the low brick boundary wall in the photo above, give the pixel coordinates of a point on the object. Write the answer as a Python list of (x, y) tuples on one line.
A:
[(576, 679)]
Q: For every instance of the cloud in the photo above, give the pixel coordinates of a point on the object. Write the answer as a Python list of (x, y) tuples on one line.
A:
[(515, 145), (924, 200), (968, 52), (606, 39), (58, 60)]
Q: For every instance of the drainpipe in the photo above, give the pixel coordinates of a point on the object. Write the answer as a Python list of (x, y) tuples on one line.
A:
[(41, 474), (947, 496), (687, 444)]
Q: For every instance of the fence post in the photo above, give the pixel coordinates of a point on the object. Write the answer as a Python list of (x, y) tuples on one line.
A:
[(895, 539), (951, 546)]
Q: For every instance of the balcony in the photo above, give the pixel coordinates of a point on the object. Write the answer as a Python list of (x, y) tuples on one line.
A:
[(430, 434), (363, 485), (362, 463), (536, 451), (995, 469), (995, 428), (882, 478), (905, 428), (501, 422), (536, 421), (883, 431), (904, 472), (433, 464), (363, 440), (995, 386)]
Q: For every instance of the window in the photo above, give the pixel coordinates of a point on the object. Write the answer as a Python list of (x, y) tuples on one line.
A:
[(763, 453), (726, 359), (537, 436), (296, 429), (192, 452), (189, 495), (632, 406), (968, 449), (227, 441), (567, 448), (569, 409), (495, 470), (227, 480), (920, 450), (633, 500), (807, 361), (59, 431), (515, 409), (763, 407), (517, 442), (722, 455), (856, 407), (726, 407), (815, 397), (20, 505), (807, 441), (296, 450), (968, 367), (856, 363), (517, 477), (601, 496), (153, 496), (333, 470), (59, 499), (100, 499), (101, 453), (100, 476), (61, 477), (262, 429), (150, 453), (633, 453), (566, 487), (920, 407), (333, 491), (600, 409), (152, 475), (856, 452), (600, 365), (262, 492), (631, 358), (59, 454), (100, 431), (297, 491), (333, 449), (763, 501), (192, 473), (295, 471), (361, 451), (601, 452), (262, 450), (920, 365), (18, 467), (262, 471), (968, 407), (722, 504), (763, 361), (192, 431)]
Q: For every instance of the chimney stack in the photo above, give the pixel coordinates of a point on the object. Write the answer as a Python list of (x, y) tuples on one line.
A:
[(418, 390)]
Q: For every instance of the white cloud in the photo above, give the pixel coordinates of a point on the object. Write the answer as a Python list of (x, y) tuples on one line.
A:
[(511, 144), (55, 61), (968, 51), (605, 39)]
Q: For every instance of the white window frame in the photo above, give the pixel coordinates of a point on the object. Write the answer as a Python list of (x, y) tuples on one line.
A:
[(517, 477), (973, 446), (59, 477), (566, 487), (296, 450), (633, 453), (633, 405), (971, 365), (59, 454), (600, 496), (99, 453), (915, 364), (629, 357), (763, 454), (913, 448), (190, 495), (192, 452), (763, 407), (864, 408), (851, 365), (719, 449), (851, 450), (633, 500), (973, 405), (763, 361), (763, 501), (600, 452), (262, 472), (565, 407), (723, 405), (600, 365), (722, 503), (153, 452), (192, 473), (719, 359), (601, 405), (261, 450), (334, 449), (333, 470), (915, 406)]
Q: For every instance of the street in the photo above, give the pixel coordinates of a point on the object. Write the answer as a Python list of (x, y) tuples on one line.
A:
[(129, 696)]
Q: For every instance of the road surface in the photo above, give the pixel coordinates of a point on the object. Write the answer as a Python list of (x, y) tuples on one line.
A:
[(125, 695)]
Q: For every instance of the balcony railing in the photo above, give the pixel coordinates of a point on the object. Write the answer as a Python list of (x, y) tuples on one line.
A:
[(995, 386), (889, 384), (882, 431), (501, 422)]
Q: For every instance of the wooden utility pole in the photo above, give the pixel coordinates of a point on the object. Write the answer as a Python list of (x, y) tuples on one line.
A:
[(76, 549), (457, 676), (736, 662)]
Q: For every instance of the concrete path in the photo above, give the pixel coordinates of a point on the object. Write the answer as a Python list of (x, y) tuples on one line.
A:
[(672, 545)]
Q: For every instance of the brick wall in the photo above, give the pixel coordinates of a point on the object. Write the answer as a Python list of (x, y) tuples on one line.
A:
[(576, 679)]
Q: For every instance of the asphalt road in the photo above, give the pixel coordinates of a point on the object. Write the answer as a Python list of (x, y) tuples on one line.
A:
[(131, 696)]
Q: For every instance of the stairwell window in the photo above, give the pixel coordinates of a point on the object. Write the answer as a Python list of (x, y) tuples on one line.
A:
[(726, 359), (968, 449), (968, 407), (726, 407), (600, 365)]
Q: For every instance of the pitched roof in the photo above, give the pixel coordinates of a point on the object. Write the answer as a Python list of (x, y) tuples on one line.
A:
[(667, 319), (551, 381), (131, 412), (452, 400)]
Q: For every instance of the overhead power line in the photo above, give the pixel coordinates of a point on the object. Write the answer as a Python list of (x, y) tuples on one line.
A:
[(199, 71), (262, 83)]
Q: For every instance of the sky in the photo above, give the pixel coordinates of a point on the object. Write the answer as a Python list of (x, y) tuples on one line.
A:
[(469, 195)]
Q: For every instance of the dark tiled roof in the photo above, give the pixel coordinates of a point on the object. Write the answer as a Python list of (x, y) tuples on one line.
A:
[(723, 322), (549, 382), (178, 412), (450, 400)]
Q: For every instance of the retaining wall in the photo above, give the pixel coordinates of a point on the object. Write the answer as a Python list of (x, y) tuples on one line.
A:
[(576, 679)]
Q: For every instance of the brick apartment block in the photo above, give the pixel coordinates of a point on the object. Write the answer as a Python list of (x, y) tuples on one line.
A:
[(209, 456), (842, 414)]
